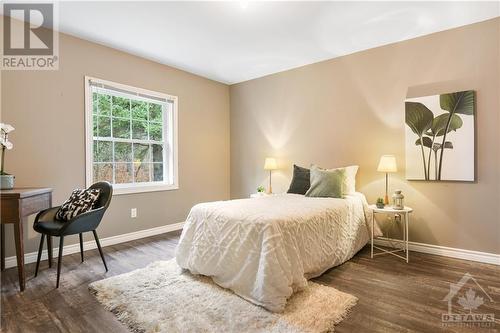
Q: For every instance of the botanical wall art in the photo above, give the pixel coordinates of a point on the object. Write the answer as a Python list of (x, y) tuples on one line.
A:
[(440, 137)]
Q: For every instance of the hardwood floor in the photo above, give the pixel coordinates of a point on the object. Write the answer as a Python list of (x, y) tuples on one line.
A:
[(393, 296)]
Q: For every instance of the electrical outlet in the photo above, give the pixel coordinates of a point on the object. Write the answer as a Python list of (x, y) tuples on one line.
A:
[(133, 213)]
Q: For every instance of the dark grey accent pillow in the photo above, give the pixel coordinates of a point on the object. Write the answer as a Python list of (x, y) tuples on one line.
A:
[(326, 183), (79, 202), (300, 181)]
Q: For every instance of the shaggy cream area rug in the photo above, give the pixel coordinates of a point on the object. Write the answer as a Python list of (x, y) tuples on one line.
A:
[(164, 298)]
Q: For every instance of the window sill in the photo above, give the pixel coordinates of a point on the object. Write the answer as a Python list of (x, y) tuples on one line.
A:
[(128, 189)]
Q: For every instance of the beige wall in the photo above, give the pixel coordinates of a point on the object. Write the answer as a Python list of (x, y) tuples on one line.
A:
[(350, 110), (47, 110), (347, 110)]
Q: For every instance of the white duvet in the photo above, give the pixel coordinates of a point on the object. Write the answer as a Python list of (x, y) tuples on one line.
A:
[(265, 249)]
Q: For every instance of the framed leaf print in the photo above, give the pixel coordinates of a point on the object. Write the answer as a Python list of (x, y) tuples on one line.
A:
[(440, 137)]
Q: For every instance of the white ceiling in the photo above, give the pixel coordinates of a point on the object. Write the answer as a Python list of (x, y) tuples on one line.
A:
[(236, 41)]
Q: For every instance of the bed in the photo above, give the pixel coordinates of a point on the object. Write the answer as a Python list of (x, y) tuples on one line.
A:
[(265, 249)]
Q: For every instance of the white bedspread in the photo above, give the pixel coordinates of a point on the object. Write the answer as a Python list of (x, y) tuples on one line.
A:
[(265, 248)]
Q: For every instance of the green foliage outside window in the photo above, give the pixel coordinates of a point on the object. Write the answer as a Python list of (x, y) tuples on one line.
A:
[(118, 118)]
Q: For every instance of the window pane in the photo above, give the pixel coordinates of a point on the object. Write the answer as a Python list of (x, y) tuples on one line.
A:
[(94, 125), (104, 126), (157, 153), (103, 151), (121, 128), (141, 152), (123, 173), (94, 150), (123, 152), (103, 172), (141, 172), (94, 103), (130, 137), (157, 172), (139, 130), (155, 131), (140, 110), (121, 107), (155, 112), (104, 105)]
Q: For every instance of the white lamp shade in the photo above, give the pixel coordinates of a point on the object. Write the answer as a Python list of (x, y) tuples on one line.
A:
[(270, 164), (387, 164)]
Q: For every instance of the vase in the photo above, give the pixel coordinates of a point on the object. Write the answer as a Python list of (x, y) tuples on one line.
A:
[(6, 182)]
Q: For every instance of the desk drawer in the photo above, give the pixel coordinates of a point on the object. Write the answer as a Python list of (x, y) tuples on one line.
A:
[(34, 204)]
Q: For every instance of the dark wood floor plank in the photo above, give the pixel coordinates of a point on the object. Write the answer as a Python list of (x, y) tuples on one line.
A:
[(393, 296)]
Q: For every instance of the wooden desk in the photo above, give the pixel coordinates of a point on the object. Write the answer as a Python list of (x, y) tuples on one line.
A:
[(16, 205)]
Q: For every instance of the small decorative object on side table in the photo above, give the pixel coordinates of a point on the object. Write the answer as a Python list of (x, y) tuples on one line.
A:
[(261, 192), (398, 200), (380, 203), (404, 213)]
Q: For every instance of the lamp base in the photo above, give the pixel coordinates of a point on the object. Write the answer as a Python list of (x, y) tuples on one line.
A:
[(270, 190), (386, 199)]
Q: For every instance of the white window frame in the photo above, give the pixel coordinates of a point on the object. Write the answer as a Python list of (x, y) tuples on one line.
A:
[(170, 141)]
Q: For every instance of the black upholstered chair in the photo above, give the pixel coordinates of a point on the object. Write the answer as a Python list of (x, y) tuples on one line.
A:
[(48, 225)]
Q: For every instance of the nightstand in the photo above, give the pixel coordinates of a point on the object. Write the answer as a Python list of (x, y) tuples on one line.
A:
[(259, 195), (405, 214)]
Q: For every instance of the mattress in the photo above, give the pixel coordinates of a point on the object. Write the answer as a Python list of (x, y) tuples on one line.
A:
[(264, 249)]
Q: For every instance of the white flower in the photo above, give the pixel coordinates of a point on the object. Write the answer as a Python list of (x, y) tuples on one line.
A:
[(6, 127), (6, 143)]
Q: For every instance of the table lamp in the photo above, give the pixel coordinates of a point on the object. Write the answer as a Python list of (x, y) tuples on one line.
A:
[(387, 164), (270, 164)]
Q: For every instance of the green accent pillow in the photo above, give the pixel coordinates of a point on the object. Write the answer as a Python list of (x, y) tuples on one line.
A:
[(326, 183)]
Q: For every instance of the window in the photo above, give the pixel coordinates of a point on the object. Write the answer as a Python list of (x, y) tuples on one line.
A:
[(131, 137)]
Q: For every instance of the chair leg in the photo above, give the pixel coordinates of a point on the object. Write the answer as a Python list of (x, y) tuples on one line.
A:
[(61, 244), (81, 246), (40, 248), (49, 249), (100, 250)]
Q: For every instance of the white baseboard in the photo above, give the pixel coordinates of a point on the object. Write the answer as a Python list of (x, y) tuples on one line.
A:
[(484, 257), (90, 245)]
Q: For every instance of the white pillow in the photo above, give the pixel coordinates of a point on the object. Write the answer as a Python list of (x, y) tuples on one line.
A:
[(350, 179), (349, 185)]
